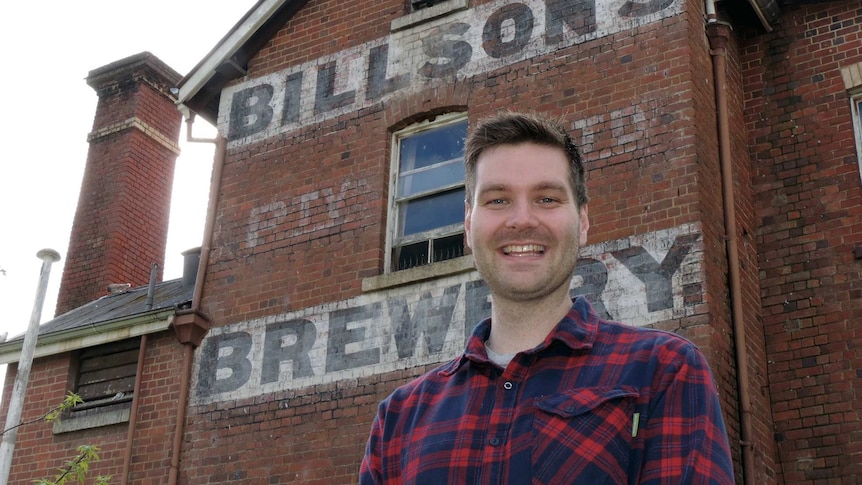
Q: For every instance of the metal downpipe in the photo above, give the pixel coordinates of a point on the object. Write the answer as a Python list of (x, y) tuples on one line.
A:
[(133, 413), (139, 372), (188, 350), (719, 34)]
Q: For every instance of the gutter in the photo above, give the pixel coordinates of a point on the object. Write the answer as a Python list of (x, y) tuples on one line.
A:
[(93, 334)]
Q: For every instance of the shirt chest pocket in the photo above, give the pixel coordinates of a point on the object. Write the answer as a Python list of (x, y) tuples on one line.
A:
[(585, 435)]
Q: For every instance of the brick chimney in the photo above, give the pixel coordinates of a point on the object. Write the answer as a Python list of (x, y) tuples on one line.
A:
[(121, 222)]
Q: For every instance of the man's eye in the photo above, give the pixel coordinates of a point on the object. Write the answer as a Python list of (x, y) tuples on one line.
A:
[(548, 200)]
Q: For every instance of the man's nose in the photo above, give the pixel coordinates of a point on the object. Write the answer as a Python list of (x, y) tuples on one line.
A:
[(522, 214)]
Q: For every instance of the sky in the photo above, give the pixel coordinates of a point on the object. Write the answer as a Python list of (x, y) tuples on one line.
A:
[(48, 110)]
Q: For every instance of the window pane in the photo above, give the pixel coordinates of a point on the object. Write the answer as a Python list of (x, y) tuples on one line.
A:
[(430, 147), (449, 247), (441, 175), (432, 212), (412, 255), (416, 254)]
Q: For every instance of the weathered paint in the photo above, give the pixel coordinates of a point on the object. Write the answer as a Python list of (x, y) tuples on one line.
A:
[(639, 280), (459, 45)]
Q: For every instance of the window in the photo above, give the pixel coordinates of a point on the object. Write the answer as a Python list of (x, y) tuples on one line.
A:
[(106, 377), (856, 106), (420, 4), (426, 217), (421, 11)]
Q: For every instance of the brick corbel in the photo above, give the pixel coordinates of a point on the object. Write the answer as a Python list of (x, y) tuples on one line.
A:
[(190, 327)]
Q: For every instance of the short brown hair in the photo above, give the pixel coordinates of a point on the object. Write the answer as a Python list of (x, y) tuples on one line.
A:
[(511, 128)]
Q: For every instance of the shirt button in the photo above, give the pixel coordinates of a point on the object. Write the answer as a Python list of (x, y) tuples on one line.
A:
[(494, 441), (507, 386)]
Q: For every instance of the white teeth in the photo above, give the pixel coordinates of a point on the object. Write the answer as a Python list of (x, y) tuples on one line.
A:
[(523, 248)]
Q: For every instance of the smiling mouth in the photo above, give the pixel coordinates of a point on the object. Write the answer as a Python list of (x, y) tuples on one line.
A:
[(523, 249)]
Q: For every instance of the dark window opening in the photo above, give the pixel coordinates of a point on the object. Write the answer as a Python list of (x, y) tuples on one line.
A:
[(430, 251), (420, 4), (106, 377)]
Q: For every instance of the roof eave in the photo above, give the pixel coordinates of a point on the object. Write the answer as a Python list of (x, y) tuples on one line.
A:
[(91, 335), (767, 12), (199, 90)]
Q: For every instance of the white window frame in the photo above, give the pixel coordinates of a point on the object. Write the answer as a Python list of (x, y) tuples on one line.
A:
[(392, 239), (855, 102)]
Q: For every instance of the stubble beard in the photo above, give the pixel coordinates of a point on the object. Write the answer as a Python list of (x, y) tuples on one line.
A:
[(559, 275)]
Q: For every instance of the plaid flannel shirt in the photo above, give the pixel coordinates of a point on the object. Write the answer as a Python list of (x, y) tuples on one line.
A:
[(596, 402)]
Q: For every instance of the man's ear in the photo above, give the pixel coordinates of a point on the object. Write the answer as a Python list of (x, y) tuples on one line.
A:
[(468, 210), (584, 220)]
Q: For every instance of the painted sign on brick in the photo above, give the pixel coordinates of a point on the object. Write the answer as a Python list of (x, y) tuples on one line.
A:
[(639, 280), (460, 45)]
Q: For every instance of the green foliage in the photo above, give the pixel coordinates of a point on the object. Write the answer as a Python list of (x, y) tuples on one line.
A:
[(76, 469), (71, 400)]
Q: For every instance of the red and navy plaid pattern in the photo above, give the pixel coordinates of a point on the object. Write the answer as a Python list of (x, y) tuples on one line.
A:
[(597, 402)]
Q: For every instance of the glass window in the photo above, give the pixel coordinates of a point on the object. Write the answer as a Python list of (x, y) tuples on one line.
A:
[(427, 213)]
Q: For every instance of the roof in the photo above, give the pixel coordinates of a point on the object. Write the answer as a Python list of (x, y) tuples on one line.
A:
[(200, 89), (108, 319)]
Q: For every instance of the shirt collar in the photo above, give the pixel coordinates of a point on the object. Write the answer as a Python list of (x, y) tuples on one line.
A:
[(577, 330)]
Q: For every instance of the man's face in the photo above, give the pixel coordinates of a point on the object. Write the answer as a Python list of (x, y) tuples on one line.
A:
[(524, 226)]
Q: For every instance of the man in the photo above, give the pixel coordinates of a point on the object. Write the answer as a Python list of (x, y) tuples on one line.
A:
[(546, 392)]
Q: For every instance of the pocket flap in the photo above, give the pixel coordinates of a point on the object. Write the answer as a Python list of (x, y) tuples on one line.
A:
[(579, 401)]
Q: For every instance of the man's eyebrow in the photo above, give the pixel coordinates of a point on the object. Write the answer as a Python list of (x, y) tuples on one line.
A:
[(553, 186), (548, 185), (493, 188)]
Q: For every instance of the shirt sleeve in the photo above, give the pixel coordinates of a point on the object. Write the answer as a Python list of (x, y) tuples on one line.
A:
[(370, 471), (686, 439)]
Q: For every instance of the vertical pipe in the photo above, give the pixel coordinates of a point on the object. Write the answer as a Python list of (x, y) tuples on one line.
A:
[(718, 33), (186, 370), (209, 223), (139, 372), (133, 413), (151, 289), (22, 376), (188, 350)]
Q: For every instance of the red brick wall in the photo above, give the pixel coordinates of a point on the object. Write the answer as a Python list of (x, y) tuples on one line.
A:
[(121, 222), (809, 217), (39, 452), (765, 462), (312, 436), (321, 28), (338, 168), (157, 411)]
